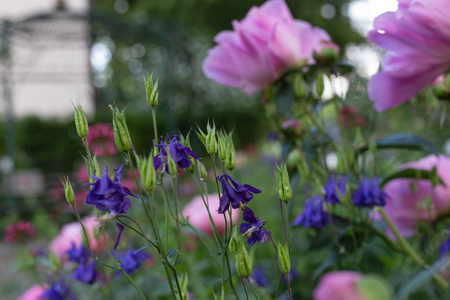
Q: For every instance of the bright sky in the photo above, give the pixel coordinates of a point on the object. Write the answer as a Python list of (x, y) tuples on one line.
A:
[(363, 12)]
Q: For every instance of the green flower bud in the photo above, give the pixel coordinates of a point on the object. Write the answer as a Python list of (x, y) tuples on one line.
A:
[(148, 173), (222, 147), (68, 190), (284, 261), (202, 171), (230, 161), (121, 134), (440, 91), (81, 123), (211, 141), (192, 166), (244, 263), (184, 287), (173, 170), (234, 241), (295, 157), (373, 287), (151, 91), (299, 85), (320, 86), (93, 168), (283, 184)]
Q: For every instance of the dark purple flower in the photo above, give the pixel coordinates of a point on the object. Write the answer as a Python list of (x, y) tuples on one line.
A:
[(333, 188), (369, 194), (234, 193), (445, 247), (254, 228), (78, 255), (86, 273), (179, 153), (259, 277), (131, 261), (59, 291), (108, 195), (313, 215)]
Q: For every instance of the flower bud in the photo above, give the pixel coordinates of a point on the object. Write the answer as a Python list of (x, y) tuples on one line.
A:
[(68, 190), (211, 141), (441, 87), (151, 91), (222, 147), (173, 170), (299, 85), (295, 157), (327, 52), (121, 134), (192, 166), (184, 287), (230, 161), (234, 241), (320, 86), (148, 173), (283, 184), (244, 263), (93, 168), (202, 171), (284, 261), (81, 123)]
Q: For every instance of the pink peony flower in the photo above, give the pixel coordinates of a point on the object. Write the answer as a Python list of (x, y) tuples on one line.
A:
[(266, 42), (73, 233), (33, 293), (406, 205), (339, 285), (417, 40), (198, 215)]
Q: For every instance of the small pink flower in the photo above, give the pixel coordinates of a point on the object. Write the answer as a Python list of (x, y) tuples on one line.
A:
[(72, 233), (406, 206), (261, 47), (101, 140), (21, 230), (417, 40), (198, 215), (33, 293), (339, 285)]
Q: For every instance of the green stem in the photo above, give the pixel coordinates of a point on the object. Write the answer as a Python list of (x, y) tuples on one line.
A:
[(278, 287), (245, 289), (155, 129), (410, 250), (175, 195), (289, 285), (284, 225), (132, 282), (253, 290)]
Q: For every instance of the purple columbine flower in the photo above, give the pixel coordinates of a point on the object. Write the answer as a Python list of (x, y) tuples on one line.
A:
[(86, 273), (234, 193), (131, 261), (445, 247), (78, 255), (369, 194), (313, 216), (333, 188), (108, 195), (179, 153), (259, 277), (254, 228), (59, 291)]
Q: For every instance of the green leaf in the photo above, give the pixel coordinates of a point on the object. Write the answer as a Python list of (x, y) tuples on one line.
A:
[(416, 282), (343, 67), (172, 252), (142, 248), (415, 174), (402, 141)]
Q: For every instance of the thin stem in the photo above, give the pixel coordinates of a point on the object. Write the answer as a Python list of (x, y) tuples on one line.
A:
[(245, 289), (253, 290), (132, 282), (278, 287), (410, 250), (287, 226), (230, 276), (89, 155), (289, 285), (155, 129), (87, 240), (284, 225), (106, 243), (175, 194)]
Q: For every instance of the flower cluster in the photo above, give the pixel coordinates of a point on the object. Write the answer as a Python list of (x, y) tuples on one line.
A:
[(20, 230), (313, 215), (369, 194), (101, 140)]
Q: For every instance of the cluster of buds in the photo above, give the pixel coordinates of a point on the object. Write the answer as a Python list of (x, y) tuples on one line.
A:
[(147, 171), (121, 134), (151, 90)]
